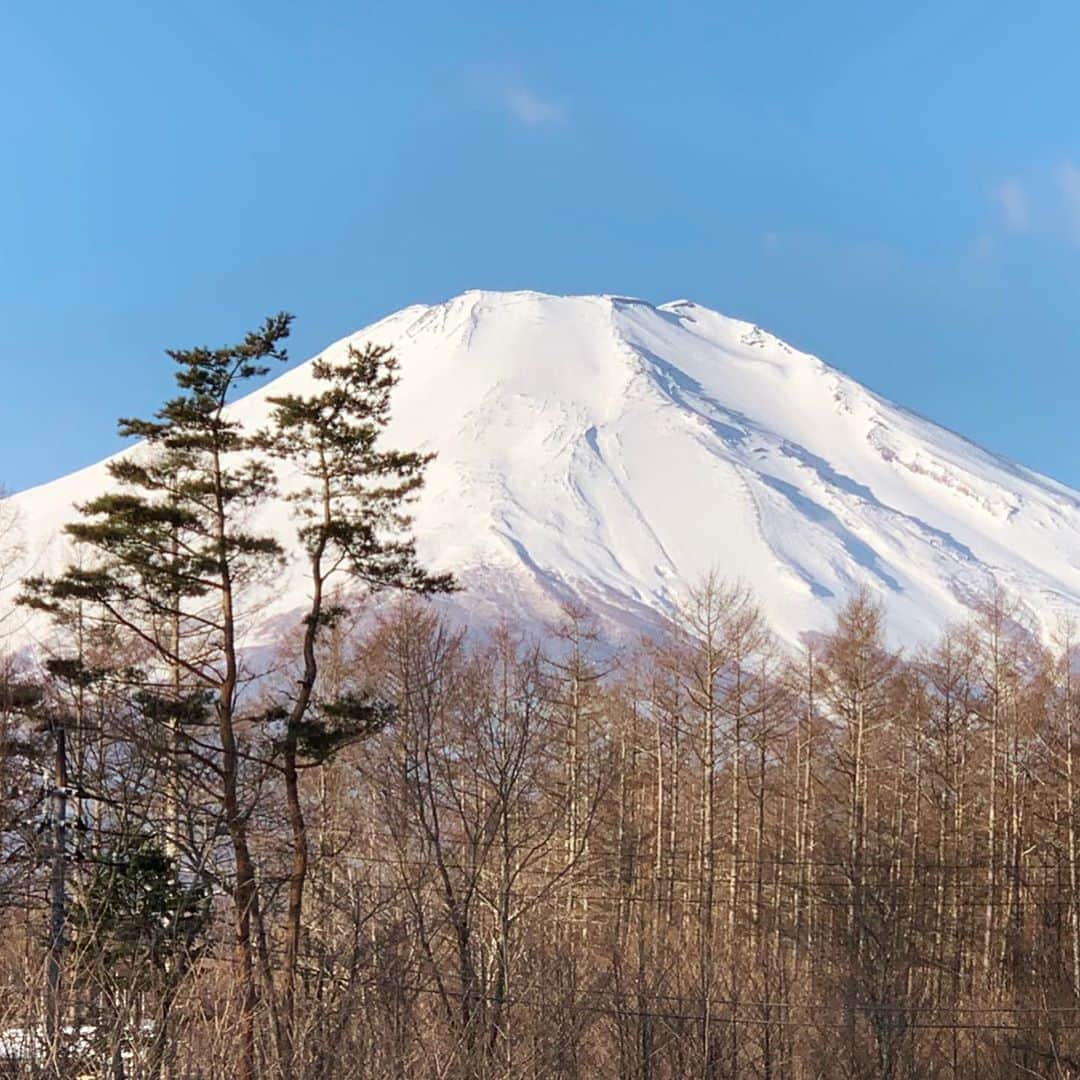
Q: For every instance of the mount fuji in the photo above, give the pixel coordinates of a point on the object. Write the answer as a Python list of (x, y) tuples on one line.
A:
[(613, 451)]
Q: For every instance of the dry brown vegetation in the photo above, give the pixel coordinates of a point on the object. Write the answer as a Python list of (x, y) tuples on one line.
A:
[(705, 858)]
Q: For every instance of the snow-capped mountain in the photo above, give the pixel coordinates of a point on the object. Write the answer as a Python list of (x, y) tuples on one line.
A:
[(614, 451)]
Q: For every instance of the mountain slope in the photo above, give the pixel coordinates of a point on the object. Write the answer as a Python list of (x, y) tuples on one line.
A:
[(608, 449)]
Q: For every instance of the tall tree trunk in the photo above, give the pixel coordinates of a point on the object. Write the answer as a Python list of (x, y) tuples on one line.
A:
[(245, 888), (1070, 811), (54, 1009)]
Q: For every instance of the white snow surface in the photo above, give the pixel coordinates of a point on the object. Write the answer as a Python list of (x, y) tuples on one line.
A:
[(614, 451)]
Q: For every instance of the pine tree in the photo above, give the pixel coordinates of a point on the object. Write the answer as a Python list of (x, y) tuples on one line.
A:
[(352, 523), (137, 931), (168, 557), (165, 557)]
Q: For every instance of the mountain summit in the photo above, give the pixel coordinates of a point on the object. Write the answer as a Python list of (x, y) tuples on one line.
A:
[(613, 451)]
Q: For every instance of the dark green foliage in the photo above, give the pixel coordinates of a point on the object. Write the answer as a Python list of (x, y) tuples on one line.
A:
[(17, 697), (348, 719), (184, 710), (167, 565), (73, 672), (168, 534), (138, 929), (193, 422), (351, 508), (351, 519), (133, 911)]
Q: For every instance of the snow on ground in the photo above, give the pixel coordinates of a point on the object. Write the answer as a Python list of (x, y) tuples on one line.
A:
[(613, 450)]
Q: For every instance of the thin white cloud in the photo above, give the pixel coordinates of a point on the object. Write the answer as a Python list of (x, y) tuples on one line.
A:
[(530, 109), (1013, 202), (1068, 183)]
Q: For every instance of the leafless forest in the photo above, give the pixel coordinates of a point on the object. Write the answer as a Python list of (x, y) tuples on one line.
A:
[(385, 848), (706, 856)]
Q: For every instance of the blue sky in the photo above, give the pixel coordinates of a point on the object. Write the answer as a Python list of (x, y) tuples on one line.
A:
[(894, 187)]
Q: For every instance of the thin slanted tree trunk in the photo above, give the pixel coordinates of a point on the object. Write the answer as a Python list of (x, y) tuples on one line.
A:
[(736, 804), (245, 888), (658, 811), (1070, 810), (759, 835), (673, 822), (297, 824), (621, 925), (938, 952), (54, 1012), (573, 765), (959, 818), (802, 915), (856, 824), (991, 844), (1014, 937), (708, 786), (172, 794), (295, 902)]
